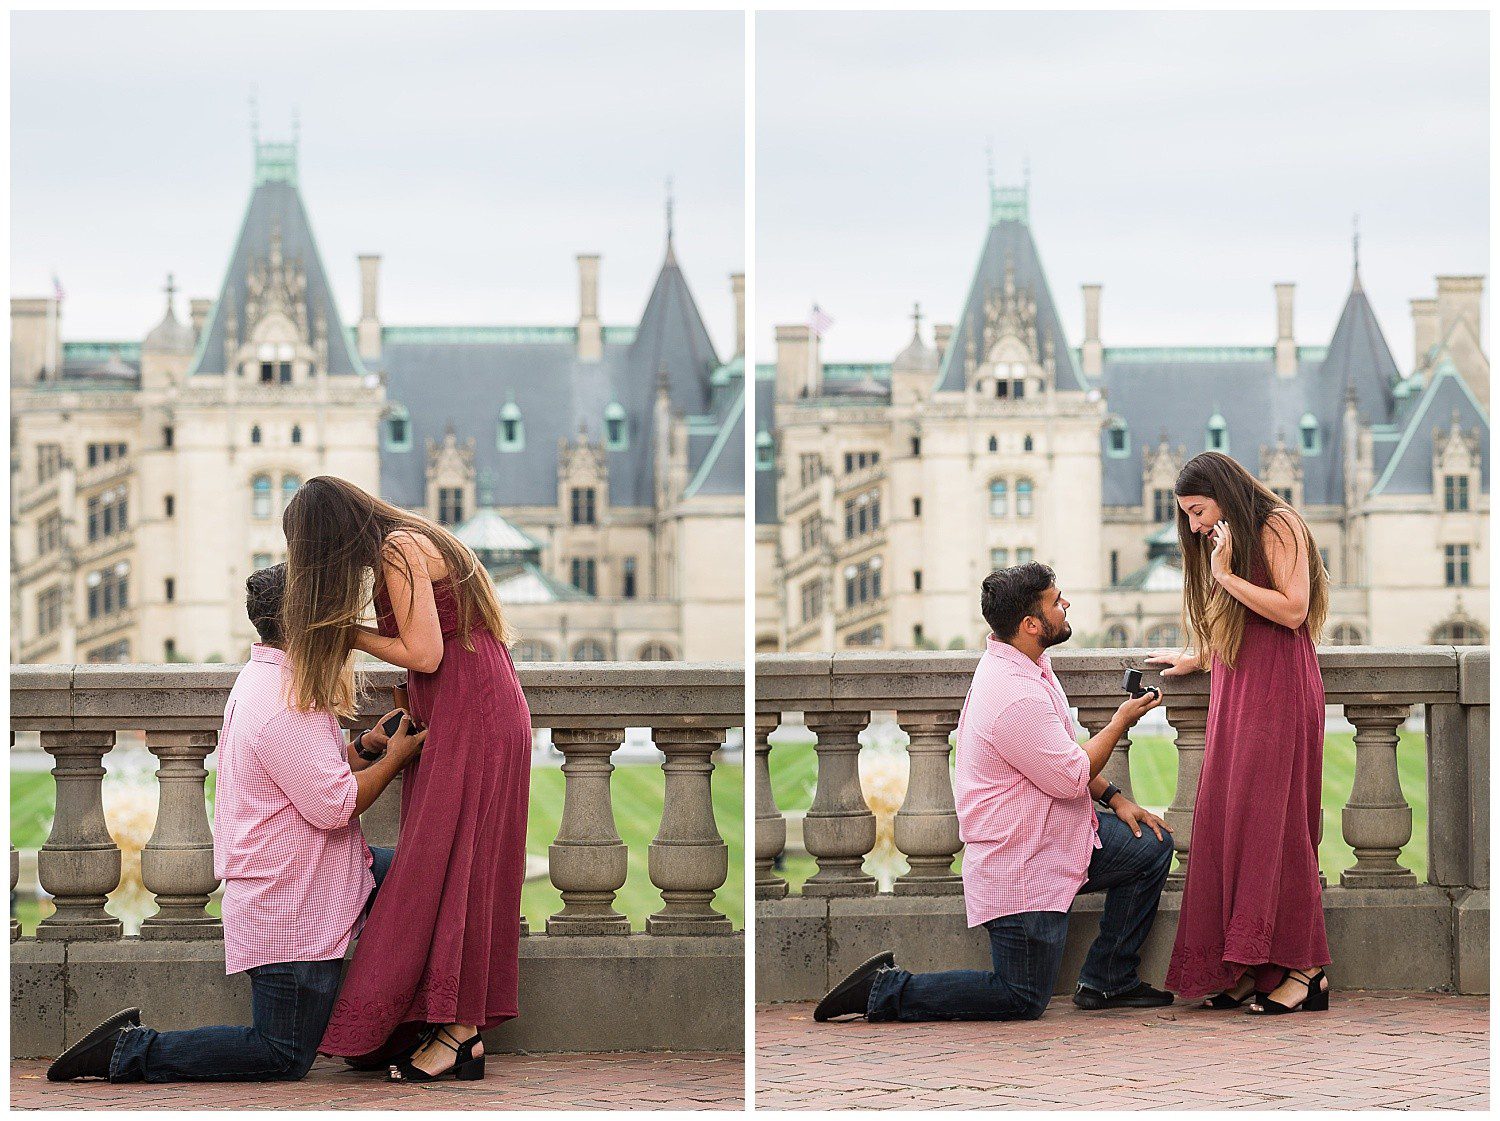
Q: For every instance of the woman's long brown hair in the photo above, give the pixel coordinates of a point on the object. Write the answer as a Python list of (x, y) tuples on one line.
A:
[(336, 538), (1214, 618)]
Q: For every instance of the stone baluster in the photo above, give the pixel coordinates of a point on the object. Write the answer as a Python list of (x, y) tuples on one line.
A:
[(839, 829), (588, 860), (1117, 770), (688, 861), (15, 869), (926, 827), (177, 864), (1377, 820), (770, 826), (80, 863), (1188, 715)]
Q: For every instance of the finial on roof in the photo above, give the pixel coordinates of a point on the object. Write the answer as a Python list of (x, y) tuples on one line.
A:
[(171, 290), (1026, 173), (916, 319), (989, 163), (254, 119), (1356, 250), (296, 125), (670, 230)]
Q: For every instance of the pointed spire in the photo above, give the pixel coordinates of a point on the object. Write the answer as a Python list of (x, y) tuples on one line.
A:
[(1356, 251)]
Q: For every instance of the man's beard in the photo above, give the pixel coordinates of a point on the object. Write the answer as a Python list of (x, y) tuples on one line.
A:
[(1052, 637)]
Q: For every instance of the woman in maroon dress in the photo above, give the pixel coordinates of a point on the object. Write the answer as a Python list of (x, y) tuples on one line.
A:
[(1256, 596), (436, 963)]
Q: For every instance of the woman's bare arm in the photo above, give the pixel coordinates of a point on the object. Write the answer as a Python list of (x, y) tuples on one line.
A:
[(418, 645), (1286, 602)]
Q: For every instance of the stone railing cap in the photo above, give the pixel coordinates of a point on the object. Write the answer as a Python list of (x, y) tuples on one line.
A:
[(1474, 675)]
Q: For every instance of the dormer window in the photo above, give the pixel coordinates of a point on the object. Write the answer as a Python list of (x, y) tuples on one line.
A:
[(1309, 430), (765, 451), (1117, 439), (276, 363), (614, 427), (510, 435), (397, 428), (1218, 434)]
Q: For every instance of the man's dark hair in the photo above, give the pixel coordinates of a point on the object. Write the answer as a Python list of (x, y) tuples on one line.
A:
[(1009, 595), (263, 593)]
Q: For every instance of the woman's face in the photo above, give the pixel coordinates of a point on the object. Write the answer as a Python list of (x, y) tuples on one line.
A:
[(1202, 513)]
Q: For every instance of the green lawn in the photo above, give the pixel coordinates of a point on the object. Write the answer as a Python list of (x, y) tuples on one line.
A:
[(1153, 771), (638, 805)]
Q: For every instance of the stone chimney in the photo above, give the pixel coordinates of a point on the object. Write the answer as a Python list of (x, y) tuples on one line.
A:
[(198, 309), (1424, 328), (1093, 349), (941, 333), (367, 332), (35, 340), (1286, 343), (737, 285), (1458, 298), (590, 333), (799, 371)]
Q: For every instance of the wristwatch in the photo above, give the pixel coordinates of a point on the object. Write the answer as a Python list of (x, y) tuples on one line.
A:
[(359, 749), (1109, 792)]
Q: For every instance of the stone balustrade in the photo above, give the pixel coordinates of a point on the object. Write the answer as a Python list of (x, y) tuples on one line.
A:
[(1378, 905), (589, 947)]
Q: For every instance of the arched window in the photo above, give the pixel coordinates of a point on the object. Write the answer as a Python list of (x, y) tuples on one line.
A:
[(289, 487), (1346, 634), (296, 433), (1218, 434), (1116, 637), (1023, 498), (397, 428), (1164, 634), (255, 433), (1309, 430), (1458, 632), (994, 444), (1117, 439), (510, 435), (999, 499), (588, 651), (260, 501), (614, 427), (1026, 444), (530, 650), (654, 652)]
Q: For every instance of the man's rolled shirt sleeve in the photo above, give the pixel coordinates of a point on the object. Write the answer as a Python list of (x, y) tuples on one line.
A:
[(1032, 739), (298, 754)]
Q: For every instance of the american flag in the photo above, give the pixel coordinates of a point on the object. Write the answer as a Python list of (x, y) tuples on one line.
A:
[(57, 289), (819, 321)]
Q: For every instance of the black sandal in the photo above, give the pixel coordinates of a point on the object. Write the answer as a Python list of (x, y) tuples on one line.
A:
[(467, 1066), (1221, 1002), (1316, 999)]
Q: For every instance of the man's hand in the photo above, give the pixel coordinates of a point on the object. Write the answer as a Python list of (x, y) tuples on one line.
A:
[(1135, 816), (375, 738), (403, 747), (1134, 708)]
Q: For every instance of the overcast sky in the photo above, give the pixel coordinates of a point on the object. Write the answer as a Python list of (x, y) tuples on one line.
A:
[(1185, 161), (478, 152)]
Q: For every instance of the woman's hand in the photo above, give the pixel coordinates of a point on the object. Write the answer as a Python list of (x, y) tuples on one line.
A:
[(1223, 554), (1178, 665)]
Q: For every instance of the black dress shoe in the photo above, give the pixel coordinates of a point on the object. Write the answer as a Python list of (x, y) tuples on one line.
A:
[(90, 1056), (1142, 996), (852, 994)]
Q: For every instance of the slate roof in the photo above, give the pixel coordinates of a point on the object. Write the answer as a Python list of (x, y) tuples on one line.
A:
[(275, 205), (1408, 468), (1009, 242)]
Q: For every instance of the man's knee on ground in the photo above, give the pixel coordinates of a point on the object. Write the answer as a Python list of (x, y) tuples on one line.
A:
[(292, 1064), (1033, 1008)]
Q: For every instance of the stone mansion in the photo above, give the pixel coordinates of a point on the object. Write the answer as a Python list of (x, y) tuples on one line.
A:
[(885, 491), (597, 470)]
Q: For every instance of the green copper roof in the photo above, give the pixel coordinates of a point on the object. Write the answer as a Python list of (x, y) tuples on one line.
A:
[(275, 163), (497, 334), (100, 352), (1161, 354), (729, 371), (1009, 204), (856, 371)]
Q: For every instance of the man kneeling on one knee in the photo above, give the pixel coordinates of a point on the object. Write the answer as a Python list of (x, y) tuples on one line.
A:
[(1033, 839)]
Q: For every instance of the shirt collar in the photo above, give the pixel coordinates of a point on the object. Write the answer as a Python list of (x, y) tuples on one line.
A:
[(260, 652), (1008, 653)]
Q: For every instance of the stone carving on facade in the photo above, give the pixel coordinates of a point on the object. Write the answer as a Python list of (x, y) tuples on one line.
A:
[(1281, 468), (277, 288), (1455, 451)]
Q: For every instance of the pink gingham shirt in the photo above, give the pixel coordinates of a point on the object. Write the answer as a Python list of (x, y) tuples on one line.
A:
[(1022, 787), (296, 872)]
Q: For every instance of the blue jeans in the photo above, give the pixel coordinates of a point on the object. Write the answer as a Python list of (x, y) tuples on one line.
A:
[(1026, 949), (291, 1003)]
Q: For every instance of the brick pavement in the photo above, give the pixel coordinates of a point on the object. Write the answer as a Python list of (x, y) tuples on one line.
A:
[(1370, 1050), (634, 1080)]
